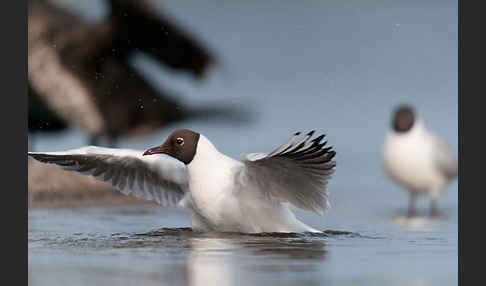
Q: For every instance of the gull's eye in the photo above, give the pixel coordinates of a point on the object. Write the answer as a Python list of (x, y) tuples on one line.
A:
[(180, 141)]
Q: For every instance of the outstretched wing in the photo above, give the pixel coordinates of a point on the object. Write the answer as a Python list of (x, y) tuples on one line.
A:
[(296, 172), (160, 178)]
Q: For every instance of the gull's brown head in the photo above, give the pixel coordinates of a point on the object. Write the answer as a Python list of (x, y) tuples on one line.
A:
[(181, 144), (403, 118)]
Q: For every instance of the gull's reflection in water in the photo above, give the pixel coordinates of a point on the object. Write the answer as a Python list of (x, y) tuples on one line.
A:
[(421, 221), (223, 259), (416, 223)]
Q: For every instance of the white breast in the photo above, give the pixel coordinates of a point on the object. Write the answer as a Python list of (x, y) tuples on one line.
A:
[(409, 159), (211, 182)]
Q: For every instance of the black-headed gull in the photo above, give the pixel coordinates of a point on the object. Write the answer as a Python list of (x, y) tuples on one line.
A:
[(417, 159), (224, 194)]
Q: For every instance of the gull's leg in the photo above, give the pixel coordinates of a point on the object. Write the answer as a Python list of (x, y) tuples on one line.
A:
[(411, 204), (434, 210), (434, 194)]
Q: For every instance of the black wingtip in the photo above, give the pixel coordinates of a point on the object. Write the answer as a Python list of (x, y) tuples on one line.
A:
[(38, 157), (311, 133), (322, 144), (48, 158), (332, 154), (318, 139), (33, 155), (297, 133), (327, 149)]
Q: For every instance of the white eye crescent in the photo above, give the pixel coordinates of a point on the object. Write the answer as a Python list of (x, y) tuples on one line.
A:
[(180, 141)]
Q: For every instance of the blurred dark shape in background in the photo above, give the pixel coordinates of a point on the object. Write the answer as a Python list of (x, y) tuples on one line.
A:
[(41, 116), (79, 72)]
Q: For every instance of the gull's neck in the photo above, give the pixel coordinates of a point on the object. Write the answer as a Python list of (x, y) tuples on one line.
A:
[(207, 156), (211, 175)]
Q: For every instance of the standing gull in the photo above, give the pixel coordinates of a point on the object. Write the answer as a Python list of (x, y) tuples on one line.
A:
[(416, 159), (224, 194)]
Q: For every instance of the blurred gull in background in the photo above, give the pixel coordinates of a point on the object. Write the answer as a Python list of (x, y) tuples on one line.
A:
[(417, 159)]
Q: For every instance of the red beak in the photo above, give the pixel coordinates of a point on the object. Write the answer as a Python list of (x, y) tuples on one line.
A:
[(157, 150)]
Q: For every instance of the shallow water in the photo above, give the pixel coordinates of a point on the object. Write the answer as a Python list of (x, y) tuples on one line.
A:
[(335, 66), (144, 244)]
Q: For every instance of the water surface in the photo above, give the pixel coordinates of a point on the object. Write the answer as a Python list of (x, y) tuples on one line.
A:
[(128, 245)]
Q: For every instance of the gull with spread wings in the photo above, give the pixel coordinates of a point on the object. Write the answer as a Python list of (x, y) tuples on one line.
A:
[(250, 196)]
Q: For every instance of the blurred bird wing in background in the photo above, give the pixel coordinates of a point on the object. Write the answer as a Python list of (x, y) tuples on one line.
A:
[(141, 26), (81, 70), (50, 79), (159, 178)]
